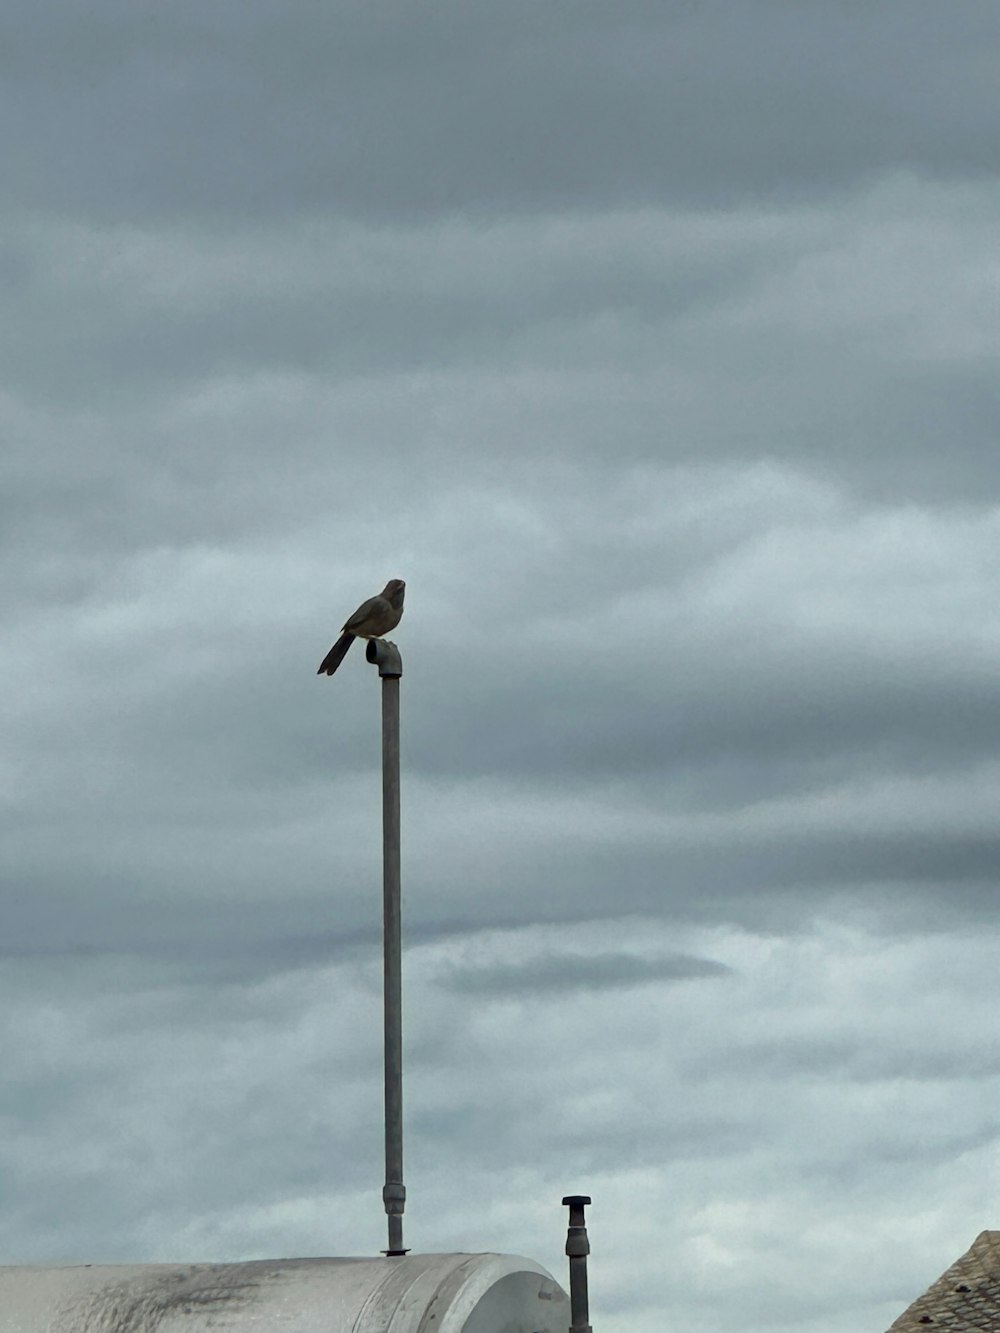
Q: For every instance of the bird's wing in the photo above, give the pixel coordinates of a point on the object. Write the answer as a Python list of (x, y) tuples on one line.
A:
[(361, 615)]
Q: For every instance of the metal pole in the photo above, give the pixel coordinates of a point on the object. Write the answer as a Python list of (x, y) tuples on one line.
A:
[(578, 1247), (394, 1191)]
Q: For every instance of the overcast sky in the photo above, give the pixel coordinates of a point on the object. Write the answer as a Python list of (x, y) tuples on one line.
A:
[(655, 346)]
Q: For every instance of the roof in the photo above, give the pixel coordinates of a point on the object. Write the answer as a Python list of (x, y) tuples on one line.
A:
[(964, 1299), (451, 1293)]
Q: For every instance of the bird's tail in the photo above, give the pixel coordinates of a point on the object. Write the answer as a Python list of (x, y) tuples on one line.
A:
[(335, 656)]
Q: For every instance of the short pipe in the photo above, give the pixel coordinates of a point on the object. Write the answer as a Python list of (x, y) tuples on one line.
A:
[(577, 1249)]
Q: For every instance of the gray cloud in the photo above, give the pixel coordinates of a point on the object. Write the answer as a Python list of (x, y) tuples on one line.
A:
[(375, 113), (562, 972)]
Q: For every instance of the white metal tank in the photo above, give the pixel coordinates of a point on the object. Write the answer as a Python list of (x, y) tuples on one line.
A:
[(418, 1293)]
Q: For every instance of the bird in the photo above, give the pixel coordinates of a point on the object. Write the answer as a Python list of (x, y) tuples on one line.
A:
[(371, 620)]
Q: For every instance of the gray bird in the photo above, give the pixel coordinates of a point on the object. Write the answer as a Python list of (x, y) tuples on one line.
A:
[(371, 620)]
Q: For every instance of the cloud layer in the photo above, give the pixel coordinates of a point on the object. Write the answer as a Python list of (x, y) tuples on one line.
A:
[(654, 347)]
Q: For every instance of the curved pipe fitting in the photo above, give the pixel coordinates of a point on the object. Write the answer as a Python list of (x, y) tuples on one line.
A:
[(384, 655)]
